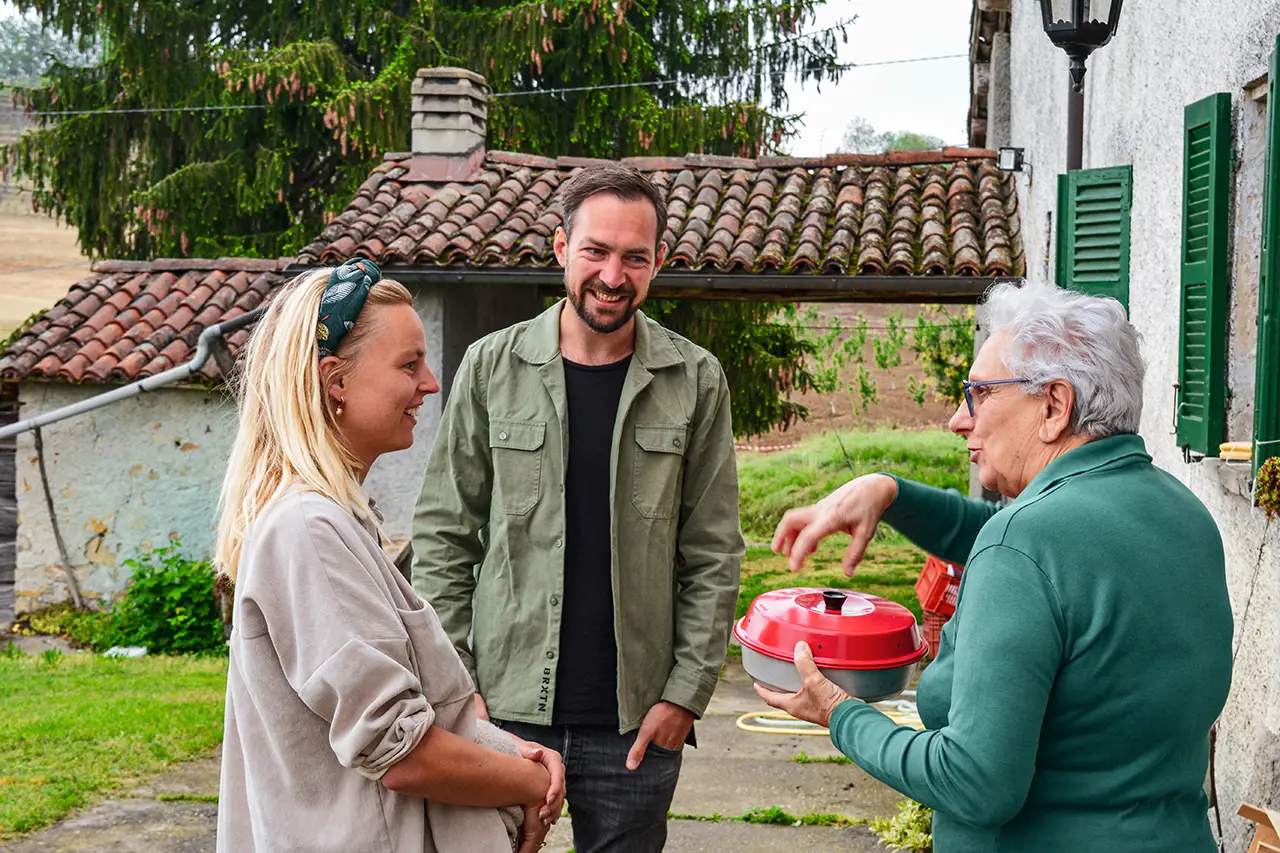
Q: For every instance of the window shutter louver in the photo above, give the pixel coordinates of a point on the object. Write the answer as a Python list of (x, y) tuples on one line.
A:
[(1093, 249), (1206, 160)]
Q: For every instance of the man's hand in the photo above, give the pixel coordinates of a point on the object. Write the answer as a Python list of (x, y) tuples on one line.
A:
[(482, 710), (533, 832), (854, 508), (817, 698), (549, 811), (666, 724)]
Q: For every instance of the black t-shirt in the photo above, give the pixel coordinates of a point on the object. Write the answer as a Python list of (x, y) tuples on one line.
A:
[(587, 674)]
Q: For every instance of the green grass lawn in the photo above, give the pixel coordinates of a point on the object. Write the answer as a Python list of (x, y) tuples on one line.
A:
[(76, 727), (773, 483)]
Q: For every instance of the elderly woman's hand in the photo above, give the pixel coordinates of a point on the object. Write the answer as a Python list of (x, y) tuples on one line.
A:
[(817, 698), (854, 508)]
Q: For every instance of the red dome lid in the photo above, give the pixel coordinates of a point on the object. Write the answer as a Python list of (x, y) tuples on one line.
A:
[(845, 629)]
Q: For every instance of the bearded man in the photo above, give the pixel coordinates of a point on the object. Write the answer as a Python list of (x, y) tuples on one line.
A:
[(578, 530)]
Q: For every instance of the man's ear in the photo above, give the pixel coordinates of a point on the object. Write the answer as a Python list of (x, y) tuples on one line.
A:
[(660, 258), (560, 243), (1056, 406)]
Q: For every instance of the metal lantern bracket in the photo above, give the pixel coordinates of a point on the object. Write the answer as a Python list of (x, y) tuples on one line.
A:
[(1079, 27)]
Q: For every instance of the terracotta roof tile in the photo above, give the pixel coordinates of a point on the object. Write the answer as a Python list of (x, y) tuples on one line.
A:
[(129, 320), (909, 213)]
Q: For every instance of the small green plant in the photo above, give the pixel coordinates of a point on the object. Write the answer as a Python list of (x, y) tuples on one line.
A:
[(83, 628), (774, 815), (802, 757), (1266, 488), (12, 652), (910, 829), (170, 605), (714, 817), (832, 820), (50, 658)]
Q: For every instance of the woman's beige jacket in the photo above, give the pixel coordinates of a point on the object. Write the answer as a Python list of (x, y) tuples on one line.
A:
[(337, 670)]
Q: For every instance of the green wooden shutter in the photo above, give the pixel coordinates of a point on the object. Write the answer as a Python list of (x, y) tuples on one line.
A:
[(1064, 196), (1093, 249), (1206, 161), (1266, 387)]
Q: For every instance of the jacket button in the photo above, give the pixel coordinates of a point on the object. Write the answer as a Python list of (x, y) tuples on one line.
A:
[(550, 655), (555, 601), (676, 442), (559, 543), (502, 436)]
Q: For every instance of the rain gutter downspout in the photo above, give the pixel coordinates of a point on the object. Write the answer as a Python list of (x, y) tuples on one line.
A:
[(205, 347)]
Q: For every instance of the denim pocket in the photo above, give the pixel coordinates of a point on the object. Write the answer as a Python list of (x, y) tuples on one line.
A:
[(658, 749)]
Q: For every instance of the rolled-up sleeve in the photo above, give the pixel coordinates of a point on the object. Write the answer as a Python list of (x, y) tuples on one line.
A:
[(340, 639)]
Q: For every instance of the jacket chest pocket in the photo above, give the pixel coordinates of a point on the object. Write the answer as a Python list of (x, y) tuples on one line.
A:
[(516, 448), (659, 468)]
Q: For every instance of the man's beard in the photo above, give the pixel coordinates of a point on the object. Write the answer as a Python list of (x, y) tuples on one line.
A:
[(596, 324)]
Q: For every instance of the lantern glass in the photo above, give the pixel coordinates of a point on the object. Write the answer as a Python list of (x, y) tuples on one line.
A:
[(1098, 12), (1061, 13)]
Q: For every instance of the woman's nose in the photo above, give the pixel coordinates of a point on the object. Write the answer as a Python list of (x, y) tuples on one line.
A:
[(429, 384)]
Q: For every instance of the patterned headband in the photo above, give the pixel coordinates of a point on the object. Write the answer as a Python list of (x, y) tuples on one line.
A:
[(344, 296)]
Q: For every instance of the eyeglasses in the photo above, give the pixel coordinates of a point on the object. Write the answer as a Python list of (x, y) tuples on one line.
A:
[(968, 394)]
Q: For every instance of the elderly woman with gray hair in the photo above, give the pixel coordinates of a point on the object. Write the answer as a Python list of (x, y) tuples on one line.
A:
[(1069, 706)]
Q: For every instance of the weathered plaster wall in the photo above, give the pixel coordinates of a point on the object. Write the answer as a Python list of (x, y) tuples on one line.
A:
[(124, 477), (1135, 93), (133, 474)]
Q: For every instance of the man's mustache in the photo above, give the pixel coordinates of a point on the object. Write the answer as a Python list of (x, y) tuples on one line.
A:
[(597, 284)]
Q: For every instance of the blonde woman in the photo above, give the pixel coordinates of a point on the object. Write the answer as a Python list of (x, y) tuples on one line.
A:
[(347, 706)]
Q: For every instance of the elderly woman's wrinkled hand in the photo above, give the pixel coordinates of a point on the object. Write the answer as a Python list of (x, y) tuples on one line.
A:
[(854, 508), (817, 698)]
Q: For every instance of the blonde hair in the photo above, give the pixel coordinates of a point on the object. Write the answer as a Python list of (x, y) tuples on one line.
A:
[(287, 434)]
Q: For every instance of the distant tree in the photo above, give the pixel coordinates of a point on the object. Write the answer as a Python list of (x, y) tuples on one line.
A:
[(28, 50), (860, 137), (906, 140)]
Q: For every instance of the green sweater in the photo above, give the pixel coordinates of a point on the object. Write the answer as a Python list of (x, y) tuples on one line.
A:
[(1070, 703)]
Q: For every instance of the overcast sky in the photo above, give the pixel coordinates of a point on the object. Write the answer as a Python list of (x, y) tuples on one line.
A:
[(925, 97)]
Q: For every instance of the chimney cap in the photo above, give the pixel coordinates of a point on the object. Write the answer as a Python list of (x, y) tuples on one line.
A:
[(451, 74)]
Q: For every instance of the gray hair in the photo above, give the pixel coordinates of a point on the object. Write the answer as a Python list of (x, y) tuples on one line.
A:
[(1086, 340)]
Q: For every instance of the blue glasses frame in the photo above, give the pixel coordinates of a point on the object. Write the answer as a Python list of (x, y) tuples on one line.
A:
[(968, 395)]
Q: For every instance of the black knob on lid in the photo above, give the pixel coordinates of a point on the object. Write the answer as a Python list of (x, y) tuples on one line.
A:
[(834, 599)]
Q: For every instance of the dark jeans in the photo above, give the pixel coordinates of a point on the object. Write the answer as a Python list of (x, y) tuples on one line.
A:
[(614, 810)]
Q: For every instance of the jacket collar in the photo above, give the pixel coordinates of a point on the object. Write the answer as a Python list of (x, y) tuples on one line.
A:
[(1113, 451), (541, 340)]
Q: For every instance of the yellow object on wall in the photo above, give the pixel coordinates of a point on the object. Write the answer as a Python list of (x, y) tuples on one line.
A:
[(1235, 450)]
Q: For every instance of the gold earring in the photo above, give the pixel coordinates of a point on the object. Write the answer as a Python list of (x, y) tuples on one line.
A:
[(338, 411)]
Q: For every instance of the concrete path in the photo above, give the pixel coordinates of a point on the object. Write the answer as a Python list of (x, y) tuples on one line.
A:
[(731, 772)]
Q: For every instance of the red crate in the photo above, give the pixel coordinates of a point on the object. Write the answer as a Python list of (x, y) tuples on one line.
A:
[(933, 623), (939, 586)]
